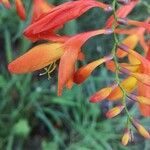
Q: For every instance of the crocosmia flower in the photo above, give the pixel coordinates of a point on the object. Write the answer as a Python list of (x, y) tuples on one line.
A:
[(130, 68)]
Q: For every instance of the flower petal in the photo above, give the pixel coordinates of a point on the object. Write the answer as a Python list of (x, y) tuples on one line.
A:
[(36, 58), (84, 72), (58, 16), (69, 58)]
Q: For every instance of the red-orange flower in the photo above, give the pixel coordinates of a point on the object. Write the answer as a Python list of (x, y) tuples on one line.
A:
[(58, 16)]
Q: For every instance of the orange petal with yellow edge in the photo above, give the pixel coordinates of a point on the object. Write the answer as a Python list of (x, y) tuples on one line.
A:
[(84, 72), (36, 58), (128, 84)]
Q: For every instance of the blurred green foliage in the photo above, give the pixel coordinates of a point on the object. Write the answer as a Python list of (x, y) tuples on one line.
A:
[(32, 117)]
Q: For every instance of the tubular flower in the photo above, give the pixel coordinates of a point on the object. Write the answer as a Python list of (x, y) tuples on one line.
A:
[(114, 111), (58, 16), (6, 3), (84, 72), (20, 9), (70, 56), (45, 54)]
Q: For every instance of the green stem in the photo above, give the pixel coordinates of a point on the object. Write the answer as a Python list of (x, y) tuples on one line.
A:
[(116, 40)]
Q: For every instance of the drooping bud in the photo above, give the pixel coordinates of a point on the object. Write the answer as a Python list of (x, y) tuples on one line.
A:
[(114, 111), (141, 129), (140, 99), (102, 94), (126, 136)]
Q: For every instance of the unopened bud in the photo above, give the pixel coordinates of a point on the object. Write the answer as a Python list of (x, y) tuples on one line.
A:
[(114, 111), (126, 136), (140, 99), (141, 129)]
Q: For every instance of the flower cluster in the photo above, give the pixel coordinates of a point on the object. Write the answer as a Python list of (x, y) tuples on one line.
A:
[(48, 19)]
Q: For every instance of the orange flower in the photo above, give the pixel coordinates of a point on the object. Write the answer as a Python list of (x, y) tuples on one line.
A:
[(45, 54), (58, 16), (20, 9), (73, 46), (84, 72), (114, 111)]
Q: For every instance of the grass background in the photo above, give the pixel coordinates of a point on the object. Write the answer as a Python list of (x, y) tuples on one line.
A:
[(32, 117)]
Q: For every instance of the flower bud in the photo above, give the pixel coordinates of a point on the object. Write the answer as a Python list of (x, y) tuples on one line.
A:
[(114, 111), (141, 129), (126, 136)]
